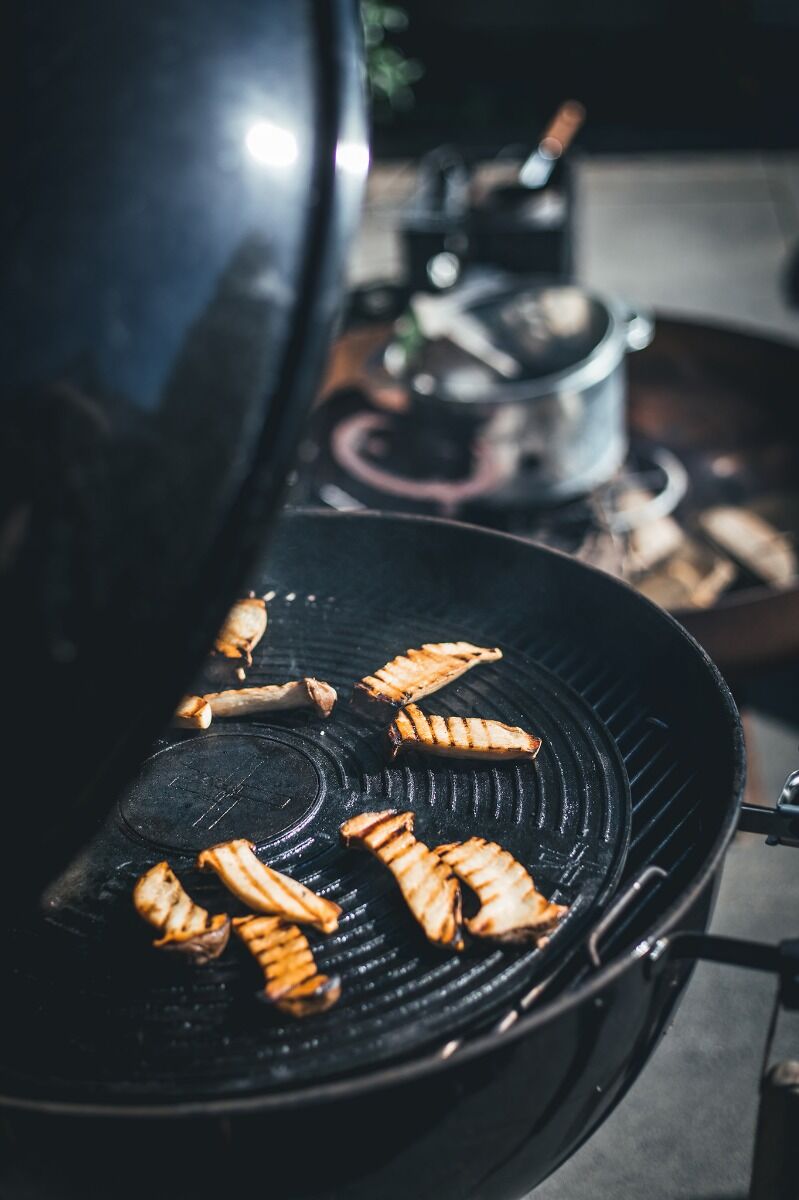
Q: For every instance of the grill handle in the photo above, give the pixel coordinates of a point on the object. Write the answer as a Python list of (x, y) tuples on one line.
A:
[(779, 825)]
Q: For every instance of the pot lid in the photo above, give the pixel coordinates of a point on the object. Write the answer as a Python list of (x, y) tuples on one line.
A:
[(488, 342), (184, 179)]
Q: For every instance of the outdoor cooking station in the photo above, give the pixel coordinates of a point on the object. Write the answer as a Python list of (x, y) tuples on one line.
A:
[(137, 505)]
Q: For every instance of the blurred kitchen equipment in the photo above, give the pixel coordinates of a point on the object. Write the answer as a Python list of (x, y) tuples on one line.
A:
[(526, 224), (537, 170), (516, 217), (434, 226), (712, 422), (530, 376)]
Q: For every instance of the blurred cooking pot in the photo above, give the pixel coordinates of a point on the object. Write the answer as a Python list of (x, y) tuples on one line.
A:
[(532, 375)]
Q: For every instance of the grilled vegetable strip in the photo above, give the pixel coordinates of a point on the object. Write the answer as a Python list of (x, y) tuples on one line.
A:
[(511, 909), (293, 983), (265, 890), (459, 737), (430, 889), (418, 673), (243, 629), (160, 899), (303, 693), (193, 712)]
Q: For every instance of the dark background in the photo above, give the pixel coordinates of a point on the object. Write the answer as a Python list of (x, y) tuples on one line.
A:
[(653, 74)]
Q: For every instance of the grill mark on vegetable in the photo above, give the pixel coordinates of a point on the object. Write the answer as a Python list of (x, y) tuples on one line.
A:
[(161, 900), (419, 673), (434, 898), (511, 907), (293, 982), (466, 737), (265, 889)]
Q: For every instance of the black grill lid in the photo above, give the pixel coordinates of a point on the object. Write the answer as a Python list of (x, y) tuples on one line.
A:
[(182, 180)]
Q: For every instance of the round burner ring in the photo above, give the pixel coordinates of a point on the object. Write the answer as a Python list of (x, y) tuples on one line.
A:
[(346, 441)]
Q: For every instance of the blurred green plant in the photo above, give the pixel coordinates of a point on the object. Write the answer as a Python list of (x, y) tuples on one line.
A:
[(391, 74)]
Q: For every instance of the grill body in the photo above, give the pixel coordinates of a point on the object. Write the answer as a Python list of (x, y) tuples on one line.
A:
[(498, 1113)]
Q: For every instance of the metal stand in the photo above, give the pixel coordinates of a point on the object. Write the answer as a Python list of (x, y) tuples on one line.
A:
[(775, 1169)]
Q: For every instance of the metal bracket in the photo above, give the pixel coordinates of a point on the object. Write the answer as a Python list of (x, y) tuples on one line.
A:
[(618, 908), (781, 960), (779, 825)]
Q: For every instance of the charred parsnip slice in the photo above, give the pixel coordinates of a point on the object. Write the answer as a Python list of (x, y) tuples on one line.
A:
[(418, 673), (193, 712), (161, 900), (430, 889), (293, 983), (303, 693), (243, 629), (459, 737), (265, 890), (511, 908)]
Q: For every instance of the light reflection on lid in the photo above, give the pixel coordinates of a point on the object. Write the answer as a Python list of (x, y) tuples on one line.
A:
[(270, 145)]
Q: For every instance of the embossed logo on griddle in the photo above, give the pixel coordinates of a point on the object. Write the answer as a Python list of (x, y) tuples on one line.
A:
[(227, 792), (221, 786)]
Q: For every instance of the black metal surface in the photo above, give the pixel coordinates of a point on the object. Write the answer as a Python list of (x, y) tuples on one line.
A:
[(182, 181), (287, 785), (341, 609), (499, 1114)]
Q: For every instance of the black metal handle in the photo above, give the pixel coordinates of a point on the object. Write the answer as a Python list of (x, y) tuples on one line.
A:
[(781, 960), (779, 825)]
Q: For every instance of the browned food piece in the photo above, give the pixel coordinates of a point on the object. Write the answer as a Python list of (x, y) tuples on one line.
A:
[(243, 629), (430, 889), (511, 909), (293, 983), (265, 890), (459, 737), (193, 712), (753, 542), (160, 899), (303, 693), (418, 673)]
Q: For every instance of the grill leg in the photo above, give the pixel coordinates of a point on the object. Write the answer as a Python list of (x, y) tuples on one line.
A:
[(775, 1170)]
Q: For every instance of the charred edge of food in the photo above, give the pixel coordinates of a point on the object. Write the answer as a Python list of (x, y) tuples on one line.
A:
[(420, 672), (357, 829), (324, 991), (193, 712), (266, 890), (275, 697), (388, 835), (506, 891), (396, 742), (374, 705), (321, 695), (242, 630), (186, 928), (201, 948), (459, 737), (292, 982)]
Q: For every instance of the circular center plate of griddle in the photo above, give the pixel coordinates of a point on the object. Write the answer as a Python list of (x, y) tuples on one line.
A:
[(221, 786), (117, 1021)]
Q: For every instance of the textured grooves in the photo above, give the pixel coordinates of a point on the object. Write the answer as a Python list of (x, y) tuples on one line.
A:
[(200, 1033)]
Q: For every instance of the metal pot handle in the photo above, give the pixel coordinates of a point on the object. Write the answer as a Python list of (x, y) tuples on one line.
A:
[(639, 327)]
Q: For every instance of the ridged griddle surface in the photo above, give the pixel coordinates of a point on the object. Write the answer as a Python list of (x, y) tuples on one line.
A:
[(115, 1019)]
